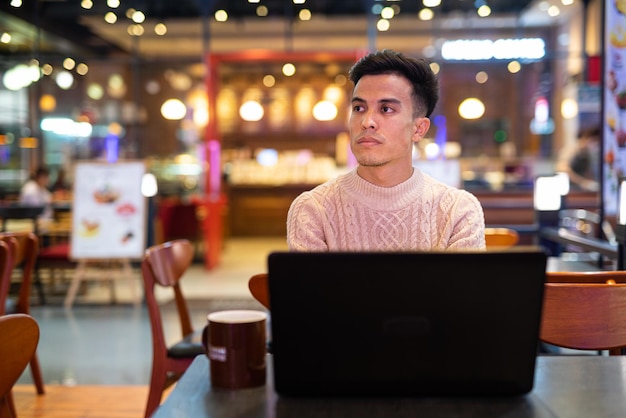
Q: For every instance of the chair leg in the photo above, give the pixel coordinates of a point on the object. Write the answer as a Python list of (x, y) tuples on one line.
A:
[(36, 372), (39, 284), (157, 384), (7, 406)]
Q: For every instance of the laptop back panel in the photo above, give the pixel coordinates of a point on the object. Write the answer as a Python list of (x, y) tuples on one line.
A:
[(378, 324)]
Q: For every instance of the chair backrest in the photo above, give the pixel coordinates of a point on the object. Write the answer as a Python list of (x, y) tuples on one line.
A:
[(6, 268), (585, 316), (258, 286), (608, 277), (25, 257), (164, 265), (20, 336), (501, 237)]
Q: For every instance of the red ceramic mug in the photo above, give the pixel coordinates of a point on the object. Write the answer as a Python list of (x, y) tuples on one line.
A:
[(236, 344)]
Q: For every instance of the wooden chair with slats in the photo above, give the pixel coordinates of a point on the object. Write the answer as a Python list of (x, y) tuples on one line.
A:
[(25, 246), (164, 265), (501, 237), (258, 286), (587, 315), (20, 336)]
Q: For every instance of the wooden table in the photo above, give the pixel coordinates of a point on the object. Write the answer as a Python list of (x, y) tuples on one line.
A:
[(565, 386)]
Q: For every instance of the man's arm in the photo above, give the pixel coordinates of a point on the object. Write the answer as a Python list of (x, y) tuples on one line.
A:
[(305, 225)]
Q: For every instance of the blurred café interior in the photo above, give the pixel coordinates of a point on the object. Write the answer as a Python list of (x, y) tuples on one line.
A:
[(238, 106), (235, 107)]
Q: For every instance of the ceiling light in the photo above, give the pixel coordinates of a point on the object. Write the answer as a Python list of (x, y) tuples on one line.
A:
[(387, 13), (5, 38), (173, 109), (113, 4), (86, 4), (481, 77), (269, 80), (262, 11), (138, 17), (160, 29), (484, 11), (383, 25), (135, 30), (69, 64), (325, 110), (110, 18), (251, 111), (64, 80), (95, 91), (426, 14), (221, 15), (16, 3), (514, 67), (304, 14), (554, 11), (82, 69), (471, 108), (46, 69), (431, 3), (289, 69)]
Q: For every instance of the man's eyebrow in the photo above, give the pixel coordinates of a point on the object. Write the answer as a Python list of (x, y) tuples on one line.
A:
[(381, 101)]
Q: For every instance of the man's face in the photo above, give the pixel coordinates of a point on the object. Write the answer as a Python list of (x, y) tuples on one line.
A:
[(43, 180), (382, 126)]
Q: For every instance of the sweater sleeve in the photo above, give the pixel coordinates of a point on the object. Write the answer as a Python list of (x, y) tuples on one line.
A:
[(305, 225), (469, 224)]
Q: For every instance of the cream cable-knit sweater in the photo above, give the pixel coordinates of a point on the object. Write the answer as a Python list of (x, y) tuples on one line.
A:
[(350, 214)]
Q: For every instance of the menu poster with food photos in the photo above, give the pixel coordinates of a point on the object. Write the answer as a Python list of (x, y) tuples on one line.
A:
[(108, 211), (614, 103)]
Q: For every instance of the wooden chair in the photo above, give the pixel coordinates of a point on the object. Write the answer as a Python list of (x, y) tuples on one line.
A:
[(501, 237), (25, 246), (585, 316), (7, 249), (164, 265), (607, 277), (258, 286), (20, 336)]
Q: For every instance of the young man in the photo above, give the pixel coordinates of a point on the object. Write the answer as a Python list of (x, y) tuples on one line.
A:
[(386, 204)]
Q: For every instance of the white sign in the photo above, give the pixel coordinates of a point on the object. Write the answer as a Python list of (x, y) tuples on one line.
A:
[(108, 211)]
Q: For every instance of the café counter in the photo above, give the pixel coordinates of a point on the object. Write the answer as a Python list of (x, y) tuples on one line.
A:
[(261, 210)]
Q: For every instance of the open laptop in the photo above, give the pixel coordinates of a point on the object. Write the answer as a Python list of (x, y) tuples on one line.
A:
[(405, 324)]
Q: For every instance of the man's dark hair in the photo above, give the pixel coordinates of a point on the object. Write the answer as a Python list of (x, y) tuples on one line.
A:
[(416, 70), (41, 172)]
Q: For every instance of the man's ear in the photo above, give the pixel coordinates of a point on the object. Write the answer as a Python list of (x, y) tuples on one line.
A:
[(421, 128)]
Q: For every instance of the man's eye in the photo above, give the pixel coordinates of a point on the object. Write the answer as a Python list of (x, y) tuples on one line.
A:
[(387, 109), (357, 108)]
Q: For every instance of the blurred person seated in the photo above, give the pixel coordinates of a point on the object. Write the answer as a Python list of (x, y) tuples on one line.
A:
[(581, 160), (35, 193)]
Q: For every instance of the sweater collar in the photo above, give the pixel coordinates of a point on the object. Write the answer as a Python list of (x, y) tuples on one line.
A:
[(383, 198)]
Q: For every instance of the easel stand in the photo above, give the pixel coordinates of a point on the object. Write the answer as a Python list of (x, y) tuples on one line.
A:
[(102, 270)]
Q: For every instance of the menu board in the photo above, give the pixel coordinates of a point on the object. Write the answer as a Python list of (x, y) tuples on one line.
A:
[(614, 103), (108, 211)]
